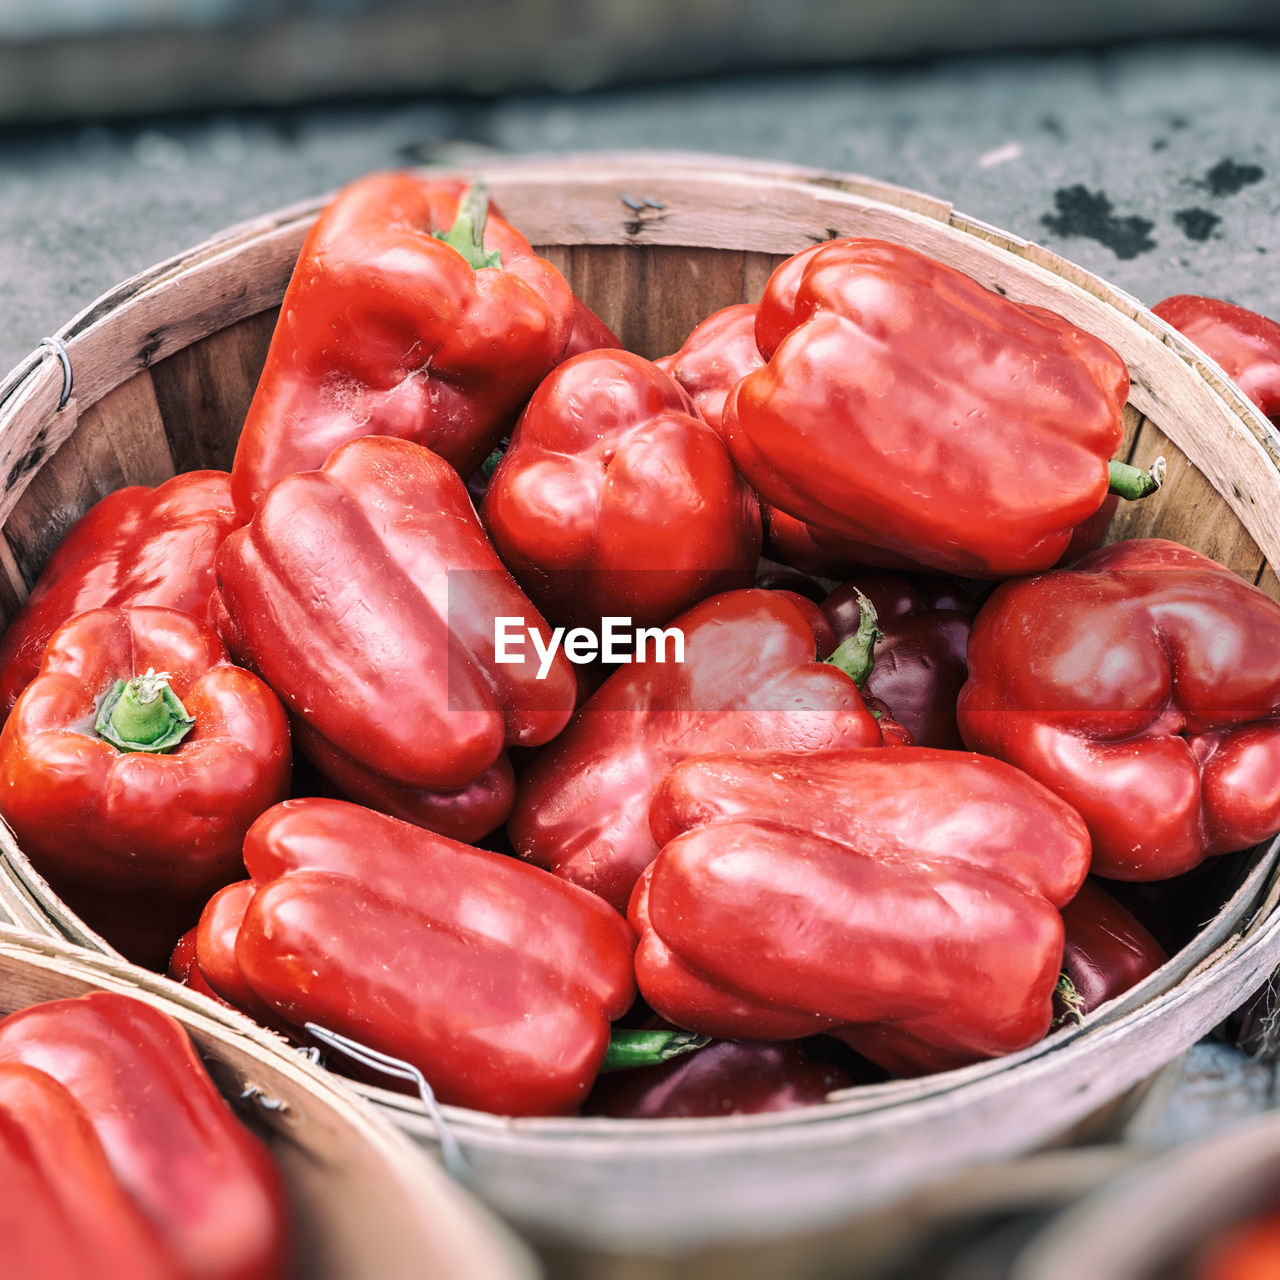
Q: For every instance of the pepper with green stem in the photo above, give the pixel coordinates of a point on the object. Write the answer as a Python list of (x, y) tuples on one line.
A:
[(132, 766), (415, 311)]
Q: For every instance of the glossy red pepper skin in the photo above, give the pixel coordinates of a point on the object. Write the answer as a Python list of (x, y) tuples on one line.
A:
[(64, 1216), (1245, 344), (829, 555), (137, 841), (184, 969), (205, 1183), (727, 1078), (469, 813), (907, 408), (715, 355), (205, 958), (1143, 687), (907, 901), (588, 333), (387, 330), (750, 680), (791, 541), (615, 498), (136, 546), (365, 595), (920, 657), (497, 980), (1108, 949)]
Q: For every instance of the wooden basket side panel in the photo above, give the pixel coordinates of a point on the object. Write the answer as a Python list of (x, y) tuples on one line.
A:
[(182, 414), (1187, 510), (651, 296), (118, 441), (204, 391)]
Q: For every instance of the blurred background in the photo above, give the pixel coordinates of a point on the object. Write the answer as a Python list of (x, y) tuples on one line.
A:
[(89, 58)]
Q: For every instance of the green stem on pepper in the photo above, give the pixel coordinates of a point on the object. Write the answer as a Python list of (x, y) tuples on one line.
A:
[(1132, 483), (855, 655), (1070, 997), (630, 1049), (143, 714), (467, 233)]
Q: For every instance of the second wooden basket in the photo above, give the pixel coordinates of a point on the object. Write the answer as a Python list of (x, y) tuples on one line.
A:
[(164, 367), (365, 1204)]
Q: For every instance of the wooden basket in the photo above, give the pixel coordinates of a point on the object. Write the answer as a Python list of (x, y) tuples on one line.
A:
[(366, 1205), (164, 367)]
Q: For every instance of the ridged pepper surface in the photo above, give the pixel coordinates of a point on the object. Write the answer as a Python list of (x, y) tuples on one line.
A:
[(64, 1214), (207, 1185), (132, 766), (616, 498), (498, 981), (751, 680), (366, 594), (907, 901), (922, 417), (136, 546), (1143, 687)]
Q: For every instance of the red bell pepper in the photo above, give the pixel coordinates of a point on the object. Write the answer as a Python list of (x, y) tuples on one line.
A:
[(184, 969), (414, 311), (1245, 344), (906, 901), (1143, 687), (496, 980), (215, 952), (827, 554), (616, 499), (919, 658), (750, 680), (366, 594), (205, 1183), (130, 790), (791, 541), (918, 415), (63, 1215), (727, 1078), (469, 813), (1108, 950), (719, 351), (136, 546)]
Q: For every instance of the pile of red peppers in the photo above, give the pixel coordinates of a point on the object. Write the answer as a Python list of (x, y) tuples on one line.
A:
[(883, 808)]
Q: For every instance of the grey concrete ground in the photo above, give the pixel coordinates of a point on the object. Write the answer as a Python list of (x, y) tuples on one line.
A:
[(1156, 166)]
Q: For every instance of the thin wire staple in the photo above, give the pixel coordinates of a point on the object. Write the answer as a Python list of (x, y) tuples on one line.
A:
[(59, 348), (451, 1154)]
